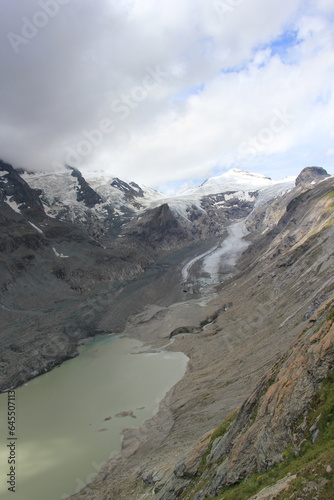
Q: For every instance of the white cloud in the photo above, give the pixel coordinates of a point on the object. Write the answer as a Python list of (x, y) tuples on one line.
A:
[(135, 63)]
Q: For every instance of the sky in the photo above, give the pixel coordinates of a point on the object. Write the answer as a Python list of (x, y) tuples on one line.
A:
[(169, 93)]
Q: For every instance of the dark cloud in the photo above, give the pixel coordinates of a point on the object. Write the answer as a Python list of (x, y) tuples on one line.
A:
[(121, 75)]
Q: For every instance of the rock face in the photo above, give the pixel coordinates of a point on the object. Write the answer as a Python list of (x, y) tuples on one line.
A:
[(159, 228), (131, 190), (263, 428), (311, 175), (17, 193), (85, 193)]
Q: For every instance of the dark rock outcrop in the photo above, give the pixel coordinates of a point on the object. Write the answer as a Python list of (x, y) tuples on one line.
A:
[(159, 228), (16, 189), (85, 193), (130, 191), (311, 175)]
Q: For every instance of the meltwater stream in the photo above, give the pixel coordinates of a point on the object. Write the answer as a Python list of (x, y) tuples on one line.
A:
[(219, 261), (66, 420), (226, 256)]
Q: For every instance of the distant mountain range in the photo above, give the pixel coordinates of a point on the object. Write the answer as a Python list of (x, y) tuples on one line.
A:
[(68, 196)]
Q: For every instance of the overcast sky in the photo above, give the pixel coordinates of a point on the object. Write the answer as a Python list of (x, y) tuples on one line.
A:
[(166, 93)]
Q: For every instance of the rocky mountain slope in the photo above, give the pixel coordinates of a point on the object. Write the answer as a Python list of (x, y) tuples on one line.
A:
[(268, 332), (53, 267), (287, 415)]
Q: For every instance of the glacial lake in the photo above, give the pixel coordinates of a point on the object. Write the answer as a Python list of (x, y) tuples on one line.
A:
[(63, 426)]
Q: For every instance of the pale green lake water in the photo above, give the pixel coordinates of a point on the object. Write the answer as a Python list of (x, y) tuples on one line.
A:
[(59, 415)]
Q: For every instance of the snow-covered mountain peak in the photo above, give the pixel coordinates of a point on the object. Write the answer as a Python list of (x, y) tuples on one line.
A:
[(68, 196), (228, 189), (234, 179), (56, 186), (115, 190), (92, 199), (243, 173)]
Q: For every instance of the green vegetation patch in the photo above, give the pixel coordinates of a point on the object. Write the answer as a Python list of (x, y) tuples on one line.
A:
[(310, 465), (220, 431), (330, 196), (223, 428), (330, 316), (204, 469)]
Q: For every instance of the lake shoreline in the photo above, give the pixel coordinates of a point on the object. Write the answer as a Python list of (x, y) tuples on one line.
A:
[(114, 383)]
